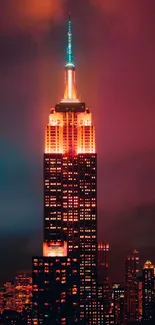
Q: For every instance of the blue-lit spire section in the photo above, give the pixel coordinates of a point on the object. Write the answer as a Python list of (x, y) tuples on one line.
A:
[(69, 46), (70, 94)]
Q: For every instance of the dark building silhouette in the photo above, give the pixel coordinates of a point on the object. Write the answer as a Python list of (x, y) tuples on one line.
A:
[(140, 297), (105, 305), (118, 303), (26, 315), (10, 317), (131, 287), (101, 306), (103, 263), (55, 291)]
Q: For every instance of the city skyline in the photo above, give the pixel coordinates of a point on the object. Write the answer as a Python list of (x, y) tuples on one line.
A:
[(21, 212)]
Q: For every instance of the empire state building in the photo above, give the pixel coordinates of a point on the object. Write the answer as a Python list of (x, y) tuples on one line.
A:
[(65, 276)]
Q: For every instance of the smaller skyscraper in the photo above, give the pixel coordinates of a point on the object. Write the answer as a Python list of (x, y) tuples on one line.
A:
[(103, 277), (148, 290), (131, 287), (118, 303), (140, 297), (104, 303), (103, 251), (100, 305)]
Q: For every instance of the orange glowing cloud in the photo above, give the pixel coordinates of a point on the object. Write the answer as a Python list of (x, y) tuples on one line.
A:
[(41, 10), (29, 14)]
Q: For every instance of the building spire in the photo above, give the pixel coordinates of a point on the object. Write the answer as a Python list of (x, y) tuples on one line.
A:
[(70, 89), (69, 45)]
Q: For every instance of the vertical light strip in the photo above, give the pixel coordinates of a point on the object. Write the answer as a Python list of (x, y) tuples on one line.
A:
[(69, 49), (70, 79)]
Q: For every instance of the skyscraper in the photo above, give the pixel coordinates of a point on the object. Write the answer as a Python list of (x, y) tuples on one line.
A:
[(103, 251), (148, 291), (140, 297), (118, 303), (103, 281), (131, 287), (70, 207)]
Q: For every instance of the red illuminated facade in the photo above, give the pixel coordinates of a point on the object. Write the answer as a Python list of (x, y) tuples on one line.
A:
[(70, 197)]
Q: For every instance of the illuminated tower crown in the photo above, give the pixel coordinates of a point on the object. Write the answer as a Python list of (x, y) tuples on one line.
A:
[(70, 128)]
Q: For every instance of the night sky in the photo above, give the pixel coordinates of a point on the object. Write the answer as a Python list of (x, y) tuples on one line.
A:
[(114, 51)]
